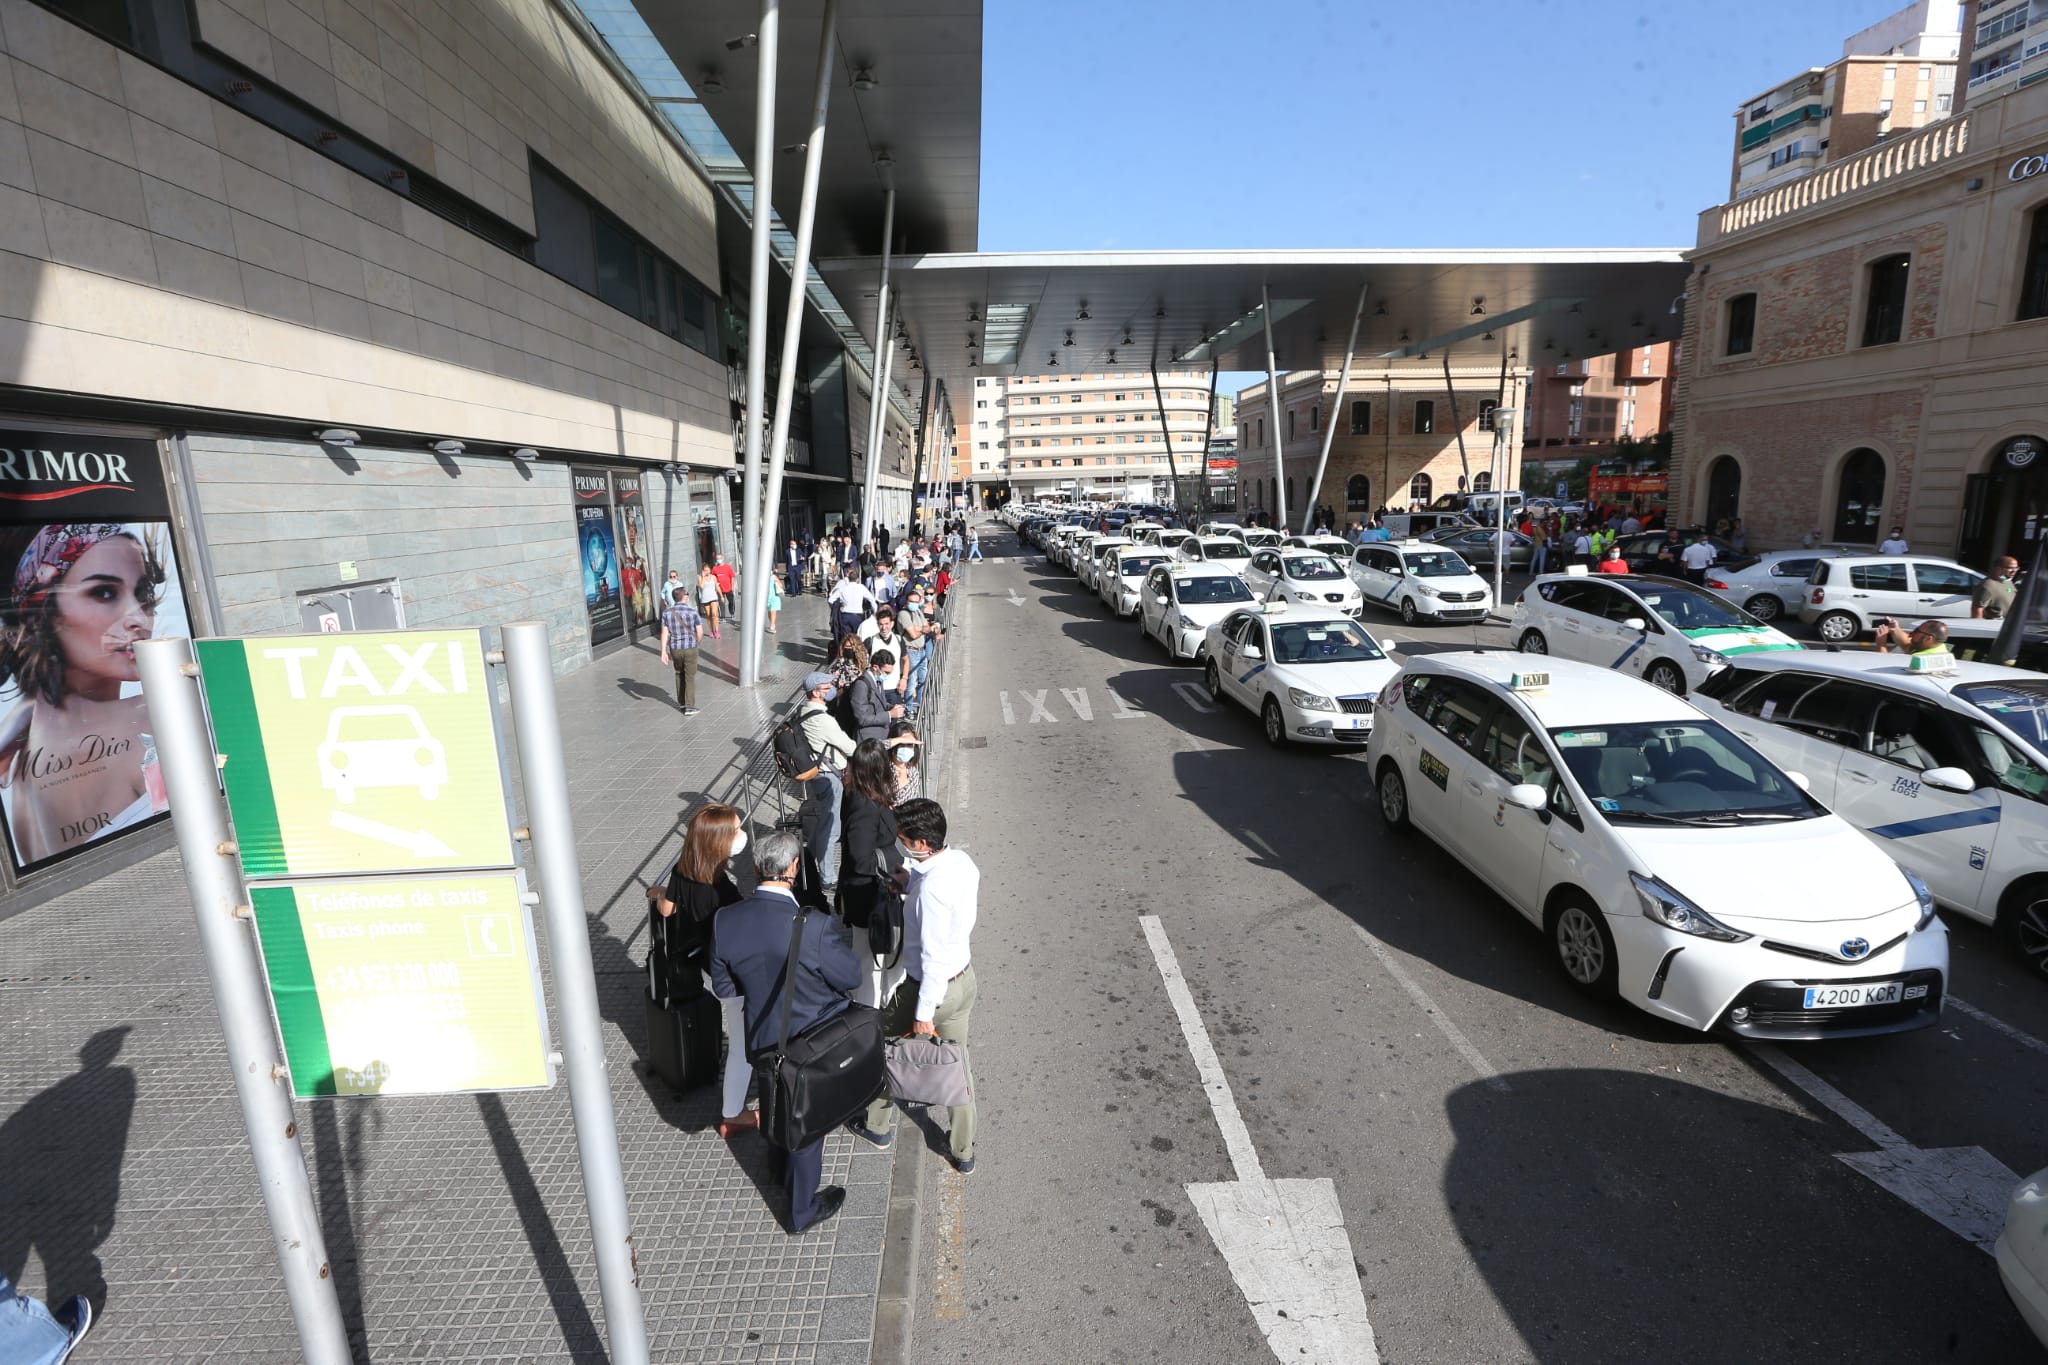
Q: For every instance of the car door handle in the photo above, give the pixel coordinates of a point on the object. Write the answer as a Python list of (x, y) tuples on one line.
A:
[(1865, 778), (1474, 788)]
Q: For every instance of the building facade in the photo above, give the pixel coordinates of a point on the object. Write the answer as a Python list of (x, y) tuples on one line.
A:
[(1896, 75), (360, 317), (1404, 436), (1865, 348), (1580, 408), (1091, 435)]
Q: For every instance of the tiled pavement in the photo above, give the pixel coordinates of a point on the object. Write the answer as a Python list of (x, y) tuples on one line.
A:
[(456, 1225)]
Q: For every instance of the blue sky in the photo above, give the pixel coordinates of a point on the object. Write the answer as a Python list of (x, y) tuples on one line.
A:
[(1367, 123)]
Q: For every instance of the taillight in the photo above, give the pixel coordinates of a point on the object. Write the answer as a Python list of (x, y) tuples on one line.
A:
[(1717, 585), (1820, 595)]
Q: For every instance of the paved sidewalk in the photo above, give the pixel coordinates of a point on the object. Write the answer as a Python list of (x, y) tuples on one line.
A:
[(456, 1225)]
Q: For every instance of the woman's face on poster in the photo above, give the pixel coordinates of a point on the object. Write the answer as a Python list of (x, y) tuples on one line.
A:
[(105, 605)]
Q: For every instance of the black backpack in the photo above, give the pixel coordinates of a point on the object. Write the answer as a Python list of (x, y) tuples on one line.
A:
[(793, 754)]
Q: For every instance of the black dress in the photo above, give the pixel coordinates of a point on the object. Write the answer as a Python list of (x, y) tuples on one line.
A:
[(681, 941)]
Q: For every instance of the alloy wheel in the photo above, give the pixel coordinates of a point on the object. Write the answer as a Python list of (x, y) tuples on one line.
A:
[(1580, 949)]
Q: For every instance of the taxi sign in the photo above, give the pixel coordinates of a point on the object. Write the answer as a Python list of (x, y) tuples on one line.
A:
[(1527, 682), (1932, 661), (358, 753)]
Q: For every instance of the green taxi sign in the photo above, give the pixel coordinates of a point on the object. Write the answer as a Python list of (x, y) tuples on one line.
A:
[(358, 753)]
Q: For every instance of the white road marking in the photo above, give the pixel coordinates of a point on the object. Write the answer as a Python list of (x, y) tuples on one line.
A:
[(1992, 1021), (1284, 1240), (1009, 716), (1964, 1189), (1473, 1057), (1194, 696), (1124, 710), (1036, 701), (1016, 598), (1077, 697)]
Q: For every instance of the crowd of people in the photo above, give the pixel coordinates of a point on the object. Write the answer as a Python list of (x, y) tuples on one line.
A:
[(868, 839)]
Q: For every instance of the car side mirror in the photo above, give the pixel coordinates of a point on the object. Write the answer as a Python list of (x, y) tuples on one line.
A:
[(1800, 780), (1253, 652), (1637, 624), (1528, 796), (1949, 780)]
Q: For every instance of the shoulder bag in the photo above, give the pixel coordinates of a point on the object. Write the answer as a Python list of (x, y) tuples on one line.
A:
[(816, 1081)]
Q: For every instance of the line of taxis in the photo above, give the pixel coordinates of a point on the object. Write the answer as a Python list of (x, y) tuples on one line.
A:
[(1701, 816)]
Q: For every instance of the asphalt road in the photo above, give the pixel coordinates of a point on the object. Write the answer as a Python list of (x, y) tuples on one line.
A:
[(1524, 1174)]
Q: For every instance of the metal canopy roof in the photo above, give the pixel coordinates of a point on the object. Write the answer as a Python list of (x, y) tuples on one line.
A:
[(923, 110), (1184, 307)]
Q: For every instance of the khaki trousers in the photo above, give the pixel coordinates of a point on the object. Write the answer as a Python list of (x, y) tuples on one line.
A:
[(950, 1019)]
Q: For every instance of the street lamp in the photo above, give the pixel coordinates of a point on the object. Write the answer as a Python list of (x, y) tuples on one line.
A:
[(1503, 422)]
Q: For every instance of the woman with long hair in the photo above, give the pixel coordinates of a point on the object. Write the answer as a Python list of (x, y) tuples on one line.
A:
[(867, 845), (71, 751), (906, 760), (708, 598), (680, 935)]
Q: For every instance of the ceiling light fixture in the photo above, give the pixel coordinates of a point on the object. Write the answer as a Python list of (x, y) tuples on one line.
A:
[(1404, 334), (745, 40), (1488, 336), (1127, 338), (525, 454), (973, 313), (710, 83), (1160, 311), (1070, 338), (864, 79), (1052, 359), (1479, 307), (449, 447), (338, 436), (1380, 311), (1082, 316)]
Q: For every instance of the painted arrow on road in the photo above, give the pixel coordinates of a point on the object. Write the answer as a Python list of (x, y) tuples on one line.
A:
[(1016, 598), (1964, 1189), (417, 842), (1284, 1240)]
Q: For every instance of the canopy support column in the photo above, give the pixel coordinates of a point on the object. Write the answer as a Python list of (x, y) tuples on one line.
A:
[(1330, 432), (885, 349), (753, 540), (1273, 407)]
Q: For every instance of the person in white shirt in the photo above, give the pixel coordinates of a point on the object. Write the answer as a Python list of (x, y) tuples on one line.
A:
[(941, 888), (1894, 544), (1697, 557), (850, 602), (1583, 547)]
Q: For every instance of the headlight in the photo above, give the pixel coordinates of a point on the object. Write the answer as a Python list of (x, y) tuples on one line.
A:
[(1673, 911), (1923, 895), (1425, 589), (1310, 701), (1712, 658)]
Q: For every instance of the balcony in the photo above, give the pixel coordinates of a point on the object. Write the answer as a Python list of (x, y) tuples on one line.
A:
[(1898, 158), (1763, 132)]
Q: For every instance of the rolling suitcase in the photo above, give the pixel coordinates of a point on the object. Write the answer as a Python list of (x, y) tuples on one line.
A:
[(682, 1034)]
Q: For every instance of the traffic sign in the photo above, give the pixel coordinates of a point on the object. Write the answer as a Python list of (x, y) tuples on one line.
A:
[(358, 753), (404, 985)]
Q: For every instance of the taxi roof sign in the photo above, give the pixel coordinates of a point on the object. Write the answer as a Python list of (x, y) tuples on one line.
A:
[(1528, 682), (1932, 661)]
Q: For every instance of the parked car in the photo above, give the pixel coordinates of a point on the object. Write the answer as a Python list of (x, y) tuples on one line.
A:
[(1769, 585), (1476, 546), (1847, 595)]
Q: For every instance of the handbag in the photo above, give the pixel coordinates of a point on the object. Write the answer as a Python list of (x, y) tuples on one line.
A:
[(885, 916), (925, 1070), (816, 1081)]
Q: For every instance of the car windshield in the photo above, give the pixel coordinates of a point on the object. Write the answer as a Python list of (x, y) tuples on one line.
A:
[(1311, 568), (1436, 564), (1210, 588), (1692, 609), (1679, 772), (1322, 642), (2022, 707), (1226, 549), (1137, 566)]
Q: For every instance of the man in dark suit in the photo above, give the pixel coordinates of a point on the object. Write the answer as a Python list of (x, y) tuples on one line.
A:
[(749, 945), (793, 567)]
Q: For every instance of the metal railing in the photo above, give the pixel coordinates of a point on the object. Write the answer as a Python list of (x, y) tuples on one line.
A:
[(1901, 156)]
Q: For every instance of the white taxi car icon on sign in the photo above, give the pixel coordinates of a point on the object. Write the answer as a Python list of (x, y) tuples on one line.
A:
[(380, 746)]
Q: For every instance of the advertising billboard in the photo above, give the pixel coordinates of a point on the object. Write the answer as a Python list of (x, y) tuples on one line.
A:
[(636, 583), (87, 569), (597, 551)]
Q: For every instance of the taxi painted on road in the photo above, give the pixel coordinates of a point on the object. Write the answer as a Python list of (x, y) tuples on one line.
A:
[(1666, 860), (1310, 674), (1662, 630), (1944, 766), (1180, 601)]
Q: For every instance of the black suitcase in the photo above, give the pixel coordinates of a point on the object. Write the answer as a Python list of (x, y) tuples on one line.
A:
[(682, 1032)]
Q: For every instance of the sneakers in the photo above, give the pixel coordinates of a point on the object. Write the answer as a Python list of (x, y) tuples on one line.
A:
[(871, 1138), (75, 1317), (689, 710), (964, 1165)]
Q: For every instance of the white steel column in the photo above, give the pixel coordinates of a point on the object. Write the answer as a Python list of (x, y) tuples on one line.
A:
[(1336, 411), (755, 607), (753, 543), (878, 411), (1273, 408)]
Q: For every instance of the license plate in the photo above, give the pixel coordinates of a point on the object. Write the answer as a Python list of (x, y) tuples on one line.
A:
[(1358, 722), (1860, 993)]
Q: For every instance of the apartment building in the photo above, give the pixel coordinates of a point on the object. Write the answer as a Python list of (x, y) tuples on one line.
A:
[(1896, 75), (1405, 436), (2005, 48), (1088, 434)]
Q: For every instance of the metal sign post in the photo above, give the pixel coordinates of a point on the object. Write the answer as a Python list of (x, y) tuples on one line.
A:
[(177, 717), (529, 666)]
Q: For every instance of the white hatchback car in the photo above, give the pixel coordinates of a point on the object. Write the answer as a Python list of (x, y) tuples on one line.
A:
[(1260, 538), (1167, 538), (1308, 673), (1945, 768), (1120, 577), (1179, 603), (1420, 581), (1662, 630), (1665, 860), (1226, 551), (1848, 594), (1305, 576)]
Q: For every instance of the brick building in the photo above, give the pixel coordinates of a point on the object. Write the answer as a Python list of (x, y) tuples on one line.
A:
[(1864, 347), (1582, 407)]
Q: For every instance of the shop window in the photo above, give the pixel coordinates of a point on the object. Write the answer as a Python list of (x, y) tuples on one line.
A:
[(1361, 419), (1741, 328), (2034, 278), (1425, 417), (1859, 500), (1884, 302), (1420, 490)]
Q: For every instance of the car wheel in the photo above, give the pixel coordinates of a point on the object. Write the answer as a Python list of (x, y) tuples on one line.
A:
[(1665, 674), (1393, 797), (1274, 724), (1532, 642), (1214, 680), (1836, 627), (2024, 922), (1765, 606), (1407, 611), (1584, 947)]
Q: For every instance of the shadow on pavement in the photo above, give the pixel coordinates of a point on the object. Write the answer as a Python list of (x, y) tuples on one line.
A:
[(1618, 1216), (579, 1332), (60, 1172)]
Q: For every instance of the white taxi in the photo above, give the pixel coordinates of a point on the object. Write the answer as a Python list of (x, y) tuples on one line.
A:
[(1305, 576), (1336, 547), (1120, 578), (1088, 567), (1420, 581), (1665, 860), (1662, 630), (1309, 674), (1260, 538), (1944, 766), (1167, 538), (1179, 603), (1224, 551)]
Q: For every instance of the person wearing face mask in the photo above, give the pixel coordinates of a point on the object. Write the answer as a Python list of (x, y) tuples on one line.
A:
[(872, 708), (699, 886), (906, 760), (942, 888), (917, 658), (867, 843), (823, 789)]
